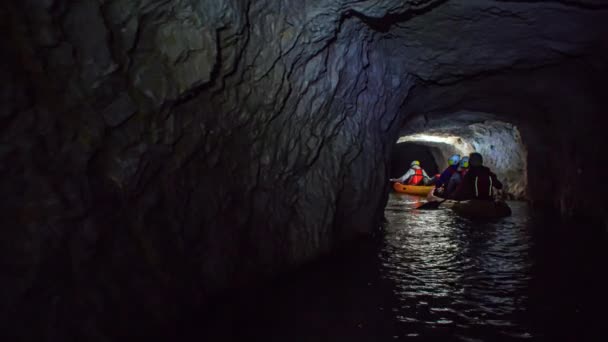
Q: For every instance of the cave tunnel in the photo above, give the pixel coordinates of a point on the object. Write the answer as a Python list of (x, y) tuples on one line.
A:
[(463, 133), (404, 153), (216, 169)]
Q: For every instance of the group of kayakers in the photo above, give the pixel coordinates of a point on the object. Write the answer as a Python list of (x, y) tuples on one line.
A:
[(464, 179)]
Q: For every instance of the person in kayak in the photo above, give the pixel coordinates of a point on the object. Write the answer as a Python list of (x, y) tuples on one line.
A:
[(414, 176), (478, 183), (457, 177), (442, 182)]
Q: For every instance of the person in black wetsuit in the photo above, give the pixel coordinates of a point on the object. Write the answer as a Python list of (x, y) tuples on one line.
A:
[(478, 183)]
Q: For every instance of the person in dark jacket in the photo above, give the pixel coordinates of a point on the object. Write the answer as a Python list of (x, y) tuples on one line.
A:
[(478, 183), (442, 182), (449, 171)]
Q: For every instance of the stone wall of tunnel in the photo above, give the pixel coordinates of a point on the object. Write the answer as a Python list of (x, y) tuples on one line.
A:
[(195, 146), (184, 147), (503, 151)]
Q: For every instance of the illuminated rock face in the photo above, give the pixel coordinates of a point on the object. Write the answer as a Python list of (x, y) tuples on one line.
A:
[(157, 152), (501, 146)]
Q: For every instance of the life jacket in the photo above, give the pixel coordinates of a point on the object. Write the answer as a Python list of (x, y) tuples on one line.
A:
[(477, 184), (416, 178), (483, 186)]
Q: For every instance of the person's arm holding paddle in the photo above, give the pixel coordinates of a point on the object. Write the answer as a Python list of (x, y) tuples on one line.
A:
[(403, 178), (456, 195), (427, 178)]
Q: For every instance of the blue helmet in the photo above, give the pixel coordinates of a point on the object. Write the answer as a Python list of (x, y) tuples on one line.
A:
[(464, 162), (454, 160)]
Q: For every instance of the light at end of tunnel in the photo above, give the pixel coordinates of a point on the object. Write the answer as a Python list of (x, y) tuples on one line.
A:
[(451, 140), (458, 144)]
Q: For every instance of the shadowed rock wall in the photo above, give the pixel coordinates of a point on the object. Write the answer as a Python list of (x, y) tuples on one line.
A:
[(156, 152)]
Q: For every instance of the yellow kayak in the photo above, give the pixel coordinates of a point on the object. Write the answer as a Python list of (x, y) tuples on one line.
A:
[(416, 190)]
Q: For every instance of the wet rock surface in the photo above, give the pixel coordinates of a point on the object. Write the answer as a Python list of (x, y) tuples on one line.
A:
[(154, 153)]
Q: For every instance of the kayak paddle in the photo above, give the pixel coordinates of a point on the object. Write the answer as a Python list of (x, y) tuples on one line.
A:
[(431, 205)]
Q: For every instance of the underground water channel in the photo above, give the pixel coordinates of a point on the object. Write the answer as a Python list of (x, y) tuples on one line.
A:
[(219, 170), (433, 275)]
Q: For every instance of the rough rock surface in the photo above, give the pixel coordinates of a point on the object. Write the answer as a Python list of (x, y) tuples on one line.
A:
[(501, 146), (156, 152)]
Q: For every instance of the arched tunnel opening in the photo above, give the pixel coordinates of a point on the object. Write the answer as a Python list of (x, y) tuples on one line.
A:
[(404, 153), (214, 169), (499, 143)]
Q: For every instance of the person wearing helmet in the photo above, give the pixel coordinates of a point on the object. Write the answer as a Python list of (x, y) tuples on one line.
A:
[(445, 176), (414, 176), (457, 177), (478, 183)]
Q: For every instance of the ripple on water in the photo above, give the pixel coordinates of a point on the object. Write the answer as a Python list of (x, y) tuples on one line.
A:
[(435, 276), (456, 273)]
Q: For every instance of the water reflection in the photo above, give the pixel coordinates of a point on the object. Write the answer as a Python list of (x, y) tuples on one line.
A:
[(433, 276), (453, 273)]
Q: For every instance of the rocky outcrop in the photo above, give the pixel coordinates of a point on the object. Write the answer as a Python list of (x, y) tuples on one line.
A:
[(156, 152)]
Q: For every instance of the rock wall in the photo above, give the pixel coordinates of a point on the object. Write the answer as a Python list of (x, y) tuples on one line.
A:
[(156, 152), (502, 148)]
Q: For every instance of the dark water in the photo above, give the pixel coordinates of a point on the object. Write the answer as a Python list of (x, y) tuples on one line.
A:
[(435, 276)]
